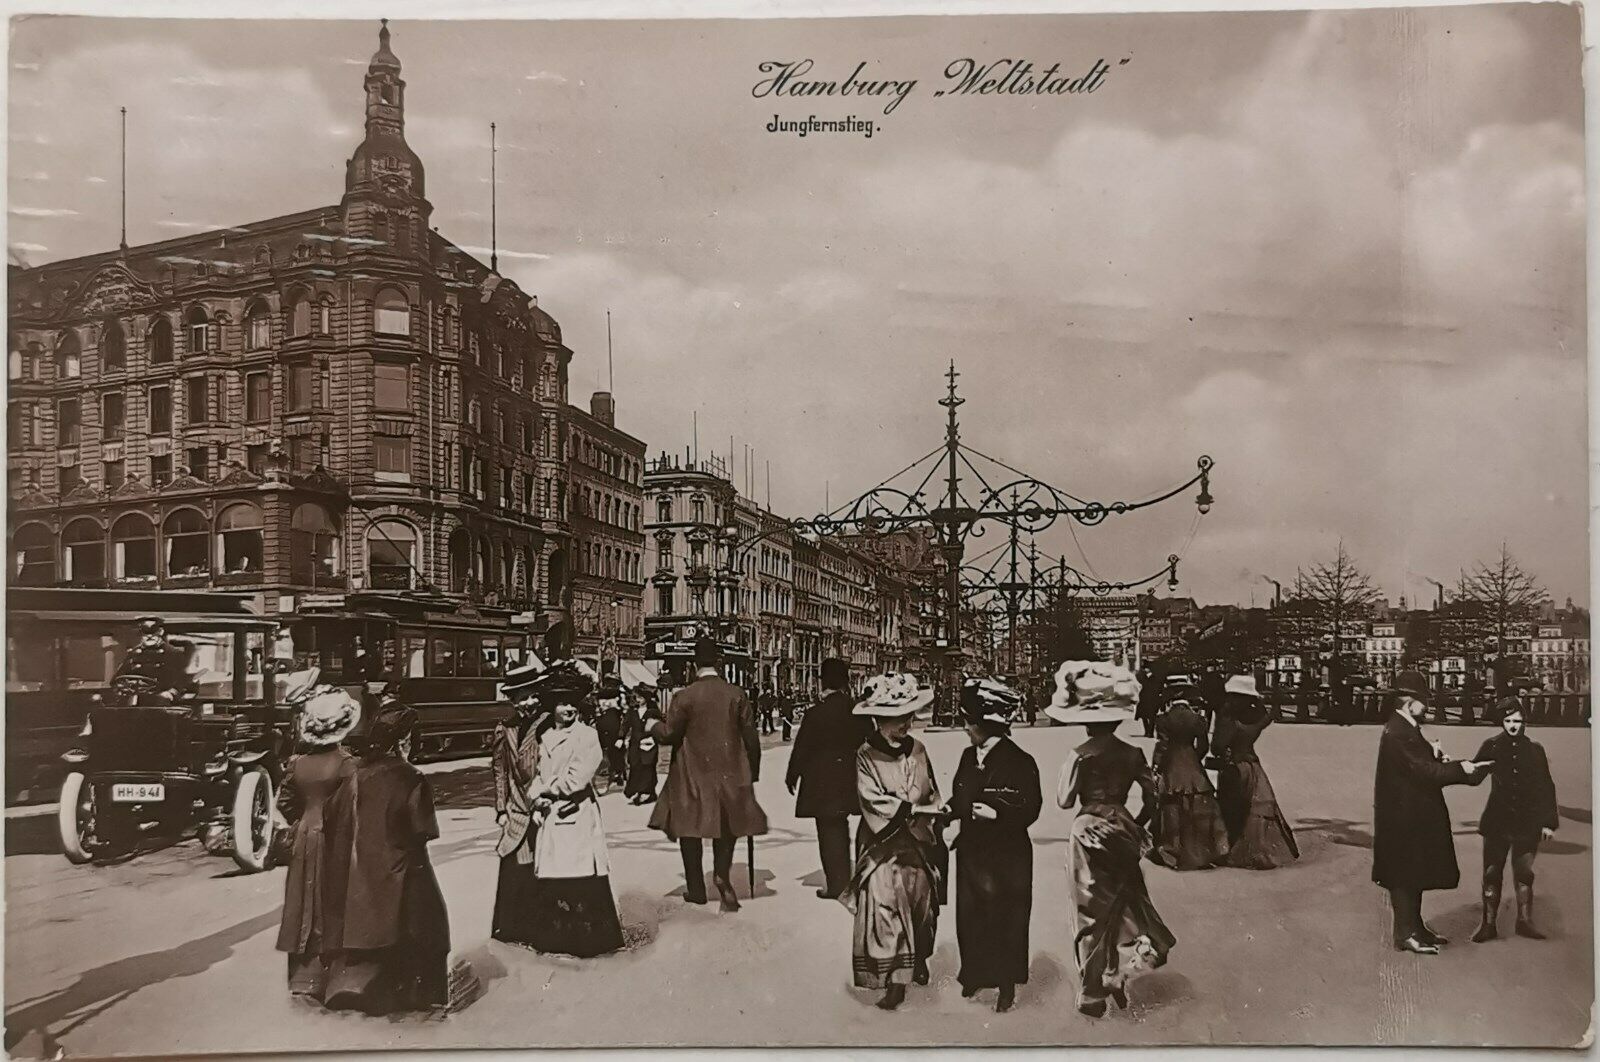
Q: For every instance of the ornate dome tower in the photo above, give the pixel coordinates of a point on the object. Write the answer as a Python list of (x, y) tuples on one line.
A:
[(384, 196)]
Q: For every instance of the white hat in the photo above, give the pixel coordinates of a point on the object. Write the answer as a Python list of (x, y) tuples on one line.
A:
[(1091, 691), (892, 695), (299, 686), (1242, 686), (329, 717), (990, 701)]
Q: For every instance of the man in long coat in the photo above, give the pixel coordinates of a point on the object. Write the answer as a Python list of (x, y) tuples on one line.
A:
[(823, 767), (1412, 847), (710, 789)]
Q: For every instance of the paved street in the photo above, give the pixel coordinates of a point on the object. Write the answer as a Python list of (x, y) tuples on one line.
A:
[(172, 953)]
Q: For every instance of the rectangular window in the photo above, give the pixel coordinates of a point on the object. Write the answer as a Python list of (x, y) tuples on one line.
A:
[(391, 387), (160, 410), (160, 470), (392, 456), (197, 394), (68, 424), (14, 425), (70, 477), (508, 497), (255, 458), (304, 453), (480, 477), (393, 321), (260, 332), (664, 600), (302, 388), (199, 459), (258, 398), (111, 416), (527, 436), (115, 474), (199, 338)]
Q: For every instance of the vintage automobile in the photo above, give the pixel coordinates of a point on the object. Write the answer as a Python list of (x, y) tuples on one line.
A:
[(149, 769)]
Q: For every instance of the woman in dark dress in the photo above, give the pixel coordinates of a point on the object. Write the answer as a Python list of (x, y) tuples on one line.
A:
[(387, 933), (996, 798), (1117, 931), (1189, 834), (327, 716), (643, 753), (1259, 837)]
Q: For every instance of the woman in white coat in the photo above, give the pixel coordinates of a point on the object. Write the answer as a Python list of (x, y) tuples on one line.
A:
[(573, 910)]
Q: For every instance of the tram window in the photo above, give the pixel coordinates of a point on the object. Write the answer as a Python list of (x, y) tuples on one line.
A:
[(469, 662), (444, 657), (211, 664), (416, 656), (29, 664), (88, 660), (490, 647)]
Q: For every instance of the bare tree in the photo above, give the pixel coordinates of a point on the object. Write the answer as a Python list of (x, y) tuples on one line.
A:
[(1504, 591), (1337, 590)]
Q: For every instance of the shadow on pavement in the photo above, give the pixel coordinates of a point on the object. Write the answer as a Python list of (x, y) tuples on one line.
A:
[(32, 835), (98, 989), (1345, 832)]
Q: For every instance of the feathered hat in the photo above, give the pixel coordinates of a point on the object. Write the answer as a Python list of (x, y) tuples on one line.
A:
[(328, 717), (892, 695), (1091, 691), (987, 700), (563, 682)]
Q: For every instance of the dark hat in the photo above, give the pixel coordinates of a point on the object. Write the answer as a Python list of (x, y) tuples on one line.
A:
[(560, 683), (151, 624), (1506, 705), (1414, 683), (835, 673), (394, 721), (989, 701), (707, 653), (519, 676)]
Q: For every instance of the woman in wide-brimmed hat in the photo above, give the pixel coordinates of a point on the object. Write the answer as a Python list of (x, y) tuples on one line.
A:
[(1189, 834), (1259, 837), (1116, 929), (900, 856), (995, 797), (327, 715)]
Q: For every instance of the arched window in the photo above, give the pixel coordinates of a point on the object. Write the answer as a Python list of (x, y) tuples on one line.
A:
[(69, 356), (483, 563), (323, 323), (664, 509), (460, 560), (133, 542), (197, 330), (300, 314), (33, 550), (391, 555), (158, 341), (391, 313), (186, 537), (241, 539), (313, 546), (83, 552), (257, 326), (113, 346)]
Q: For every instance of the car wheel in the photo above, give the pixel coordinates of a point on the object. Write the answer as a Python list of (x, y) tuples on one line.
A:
[(252, 820), (75, 819)]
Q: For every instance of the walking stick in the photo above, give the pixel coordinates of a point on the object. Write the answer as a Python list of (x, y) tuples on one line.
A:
[(750, 862)]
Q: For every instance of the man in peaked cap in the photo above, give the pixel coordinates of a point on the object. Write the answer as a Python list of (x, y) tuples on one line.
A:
[(157, 659), (1413, 849)]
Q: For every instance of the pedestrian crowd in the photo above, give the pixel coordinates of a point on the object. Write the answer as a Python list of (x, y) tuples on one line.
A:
[(365, 926)]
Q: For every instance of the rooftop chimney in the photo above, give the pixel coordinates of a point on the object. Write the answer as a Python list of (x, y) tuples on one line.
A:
[(603, 408)]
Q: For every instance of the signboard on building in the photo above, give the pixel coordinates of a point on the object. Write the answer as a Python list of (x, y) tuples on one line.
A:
[(313, 602)]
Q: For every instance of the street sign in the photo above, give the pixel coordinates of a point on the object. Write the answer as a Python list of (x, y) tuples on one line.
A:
[(318, 601)]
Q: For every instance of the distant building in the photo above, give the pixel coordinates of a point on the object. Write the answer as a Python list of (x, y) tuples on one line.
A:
[(606, 472)]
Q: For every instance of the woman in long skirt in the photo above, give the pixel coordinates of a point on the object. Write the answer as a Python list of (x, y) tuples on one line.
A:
[(900, 857), (1259, 837), (515, 757), (571, 910), (643, 753), (1117, 931), (1189, 834), (387, 929), (327, 717), (996, 798)]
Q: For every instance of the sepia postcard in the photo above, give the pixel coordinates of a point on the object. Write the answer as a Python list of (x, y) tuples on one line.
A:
[(893, 530)]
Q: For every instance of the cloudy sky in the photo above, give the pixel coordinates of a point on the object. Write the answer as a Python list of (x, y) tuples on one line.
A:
[(1342, 253)]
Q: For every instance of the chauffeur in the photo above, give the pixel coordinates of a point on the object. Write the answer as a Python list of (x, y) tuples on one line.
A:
[(157, 658)]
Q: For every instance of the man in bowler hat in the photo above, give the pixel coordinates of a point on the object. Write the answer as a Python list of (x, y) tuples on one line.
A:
[(1412, 846), (822, 767), (710, 790)]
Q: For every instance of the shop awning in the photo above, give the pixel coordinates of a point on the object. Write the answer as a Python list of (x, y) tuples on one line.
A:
[(638, 672)]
